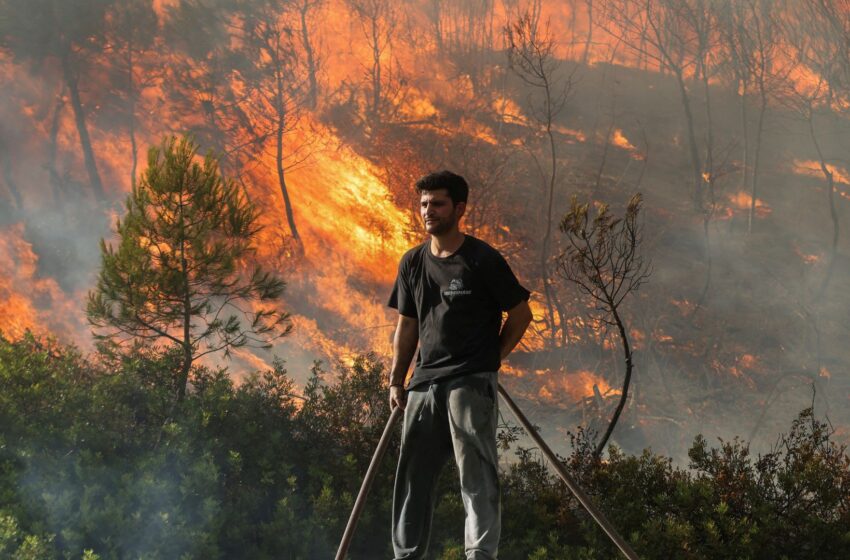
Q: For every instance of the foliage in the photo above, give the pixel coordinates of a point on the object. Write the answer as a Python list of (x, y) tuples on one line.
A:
[(603, 256), (603, 259), (95, 463), (175, 275)]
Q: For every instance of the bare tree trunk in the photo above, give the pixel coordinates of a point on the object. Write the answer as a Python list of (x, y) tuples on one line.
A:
[(544, 255), (131, 112), (745, 132), (600, 447), (82, 130), (438, 24), (830, 189), (696, 163), (313, 92), (757, 157), (589, 40), (376, 70), (8, 177), (280, 128), (708, 175), (52, 147)]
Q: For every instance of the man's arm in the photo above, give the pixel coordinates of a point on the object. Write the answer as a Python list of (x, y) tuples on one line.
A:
[(519, 317), (404, 347)]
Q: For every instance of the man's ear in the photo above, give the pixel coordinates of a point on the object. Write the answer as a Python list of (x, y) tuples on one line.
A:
[(460, 208)]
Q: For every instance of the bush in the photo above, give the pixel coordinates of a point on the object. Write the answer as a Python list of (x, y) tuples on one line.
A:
[(97, 461)]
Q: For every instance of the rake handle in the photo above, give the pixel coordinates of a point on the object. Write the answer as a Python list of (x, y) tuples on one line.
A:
[(367, 484), (583, 498)]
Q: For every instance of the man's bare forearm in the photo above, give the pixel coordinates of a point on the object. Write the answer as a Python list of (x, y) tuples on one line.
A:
[(404, 347), (515, 325)]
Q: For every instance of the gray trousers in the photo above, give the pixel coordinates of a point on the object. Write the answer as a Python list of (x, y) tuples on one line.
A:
[(454, 417)]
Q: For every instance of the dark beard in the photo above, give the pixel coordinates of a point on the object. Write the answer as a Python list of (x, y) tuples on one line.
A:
[(444, 226)]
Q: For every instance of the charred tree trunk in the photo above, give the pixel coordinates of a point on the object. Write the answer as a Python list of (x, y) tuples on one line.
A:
[(757, 157), (547, 238), (131, 113), (313, 91), (281, 177), (53, 146), (693, 149), (85, 142), (376, 71), (8, 178), (708, 176), (830, 192), (436, 5), (745, 133), (589, 39)]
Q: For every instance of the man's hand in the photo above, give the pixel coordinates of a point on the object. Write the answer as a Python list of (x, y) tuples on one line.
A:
[(398, 397), (404, 346)]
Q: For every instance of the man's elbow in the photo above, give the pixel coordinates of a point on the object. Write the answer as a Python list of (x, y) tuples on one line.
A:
[(521, 314), (407, 328)]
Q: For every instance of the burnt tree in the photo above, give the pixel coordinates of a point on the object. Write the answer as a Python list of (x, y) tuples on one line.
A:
[(69, 35), (603, 259), (531, 57)]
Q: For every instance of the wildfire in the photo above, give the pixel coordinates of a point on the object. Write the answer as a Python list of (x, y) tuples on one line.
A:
[(575, 135), (807, 258), (619, 139), (28, 302), (576, 385), (351, 229), (743, 201), (509, 111), (812, 168)]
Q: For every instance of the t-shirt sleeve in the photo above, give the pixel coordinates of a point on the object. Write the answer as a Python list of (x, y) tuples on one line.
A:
[(401, 297), (503, 284)]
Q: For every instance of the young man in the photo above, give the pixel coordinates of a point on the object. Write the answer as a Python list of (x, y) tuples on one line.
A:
[(450, 294)]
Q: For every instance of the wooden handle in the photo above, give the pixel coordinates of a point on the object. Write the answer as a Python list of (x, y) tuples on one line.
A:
[(583, 498), (367, 484)]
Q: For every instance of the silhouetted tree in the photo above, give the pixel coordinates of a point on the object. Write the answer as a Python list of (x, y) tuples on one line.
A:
[(67, 33), (312, 58), (132, 29), (659, 31), (751, 38), (278, 86), (379, 20), (531, 56)]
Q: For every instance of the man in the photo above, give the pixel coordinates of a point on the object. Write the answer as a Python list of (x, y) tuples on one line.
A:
[(450, 294)]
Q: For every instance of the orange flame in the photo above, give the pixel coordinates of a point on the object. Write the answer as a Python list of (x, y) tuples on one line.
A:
[(28, 302)]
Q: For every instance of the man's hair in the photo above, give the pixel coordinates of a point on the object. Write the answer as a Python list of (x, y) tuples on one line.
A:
[(452, 182)]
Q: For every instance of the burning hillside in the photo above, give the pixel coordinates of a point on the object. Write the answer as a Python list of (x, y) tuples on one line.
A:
[(326, 111)]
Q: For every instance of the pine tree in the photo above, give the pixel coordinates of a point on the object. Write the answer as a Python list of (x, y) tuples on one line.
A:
[(180, 274)]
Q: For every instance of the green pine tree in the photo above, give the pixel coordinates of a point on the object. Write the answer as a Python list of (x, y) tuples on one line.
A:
[(179, 274)]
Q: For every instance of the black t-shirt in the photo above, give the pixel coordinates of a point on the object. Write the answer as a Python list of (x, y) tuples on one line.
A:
[(458, 301)]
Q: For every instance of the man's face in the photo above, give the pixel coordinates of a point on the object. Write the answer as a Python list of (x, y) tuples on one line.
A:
[(439, 214)]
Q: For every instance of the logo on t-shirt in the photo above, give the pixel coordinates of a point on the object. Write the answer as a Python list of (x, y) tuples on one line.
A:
[(456, 288)]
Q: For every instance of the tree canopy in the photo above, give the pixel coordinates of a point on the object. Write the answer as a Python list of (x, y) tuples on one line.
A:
[(181, 273)]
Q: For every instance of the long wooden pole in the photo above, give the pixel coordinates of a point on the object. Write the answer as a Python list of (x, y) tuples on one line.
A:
[(583, 498), (367, 484)]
